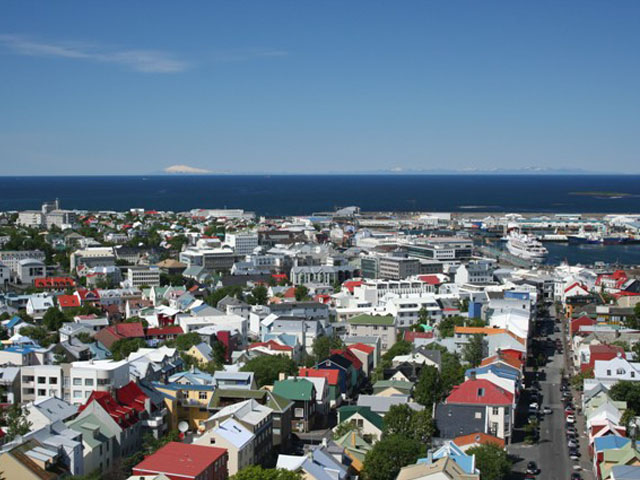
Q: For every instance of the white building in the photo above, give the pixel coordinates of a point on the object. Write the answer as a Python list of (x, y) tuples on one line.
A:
[(243, 243), (99, 375), (143, 276), (13, 258), (40, 382), (372, 291), (38, 304), (93, 257)]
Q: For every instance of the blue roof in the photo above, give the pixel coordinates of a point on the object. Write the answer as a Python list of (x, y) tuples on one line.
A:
[(610, 442), (625, 472), (450, 449), (496, 370), (14, 321), (23, 349)]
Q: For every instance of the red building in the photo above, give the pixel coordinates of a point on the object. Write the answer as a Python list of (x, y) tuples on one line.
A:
[(54, 283), (582, 321), (601, 352), (181, 461)]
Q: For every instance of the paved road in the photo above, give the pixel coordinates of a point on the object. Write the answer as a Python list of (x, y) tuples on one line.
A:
[(551, 452)]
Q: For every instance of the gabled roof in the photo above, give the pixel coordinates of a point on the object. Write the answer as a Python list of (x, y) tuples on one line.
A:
[(294, 389), (68, 301), (368, 349), (331, 374), (479, 392), (478, 437), (131, 396), (348, 411)]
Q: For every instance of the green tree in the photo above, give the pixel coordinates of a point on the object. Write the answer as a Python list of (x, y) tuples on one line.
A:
[(219, 353), (256, 472), (626, 391), (389, 455), (260, 295), (428, 389), (473, 351), (84, 337), (447, 325), (451, 369), (53, 319), (268, 368), (399, 348), (403, 420), (492, 461), (14, 417), (121, 349), (424, 317), (577, 380), (301, 293), (344, 428), (186, 341), (323, 345)]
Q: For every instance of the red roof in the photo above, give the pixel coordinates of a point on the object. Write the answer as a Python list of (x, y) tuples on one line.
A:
[(430, 279), (180, 459), (505, 357), (332, 375), (368, 349), (576, 323), (68, 301), (131, 396), (576, 284), (85, 294), (479, 392), (411, 336), (271, 345), (124, 415), (279, 276), (54, 282), (171, 330), (346, 353), (351, 284)]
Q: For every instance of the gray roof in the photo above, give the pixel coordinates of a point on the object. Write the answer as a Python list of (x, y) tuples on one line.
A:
[(230, 301), (55, 409), (383, 404), (626, 472)]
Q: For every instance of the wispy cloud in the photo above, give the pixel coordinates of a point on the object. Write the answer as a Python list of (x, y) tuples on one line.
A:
[(244, 54), (146, 61)]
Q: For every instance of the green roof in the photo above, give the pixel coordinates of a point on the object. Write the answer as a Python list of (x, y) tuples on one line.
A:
[(365, 319), (86, 425), (357, 446), (240, 394), (294, 389), (398, 384), (346, 412)]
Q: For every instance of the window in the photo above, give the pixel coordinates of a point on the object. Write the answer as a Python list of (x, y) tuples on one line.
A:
[(478, 415), (88, 382), (496, 411), (42, 380), (299, 412), (77, 382), (202, 395), (42, 392), (77, 394), (103, 381), (608, 373), (28, 378), (53, 380)]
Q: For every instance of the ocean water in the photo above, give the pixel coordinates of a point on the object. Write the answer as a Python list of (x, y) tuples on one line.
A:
[(299, 195), (589, 254)]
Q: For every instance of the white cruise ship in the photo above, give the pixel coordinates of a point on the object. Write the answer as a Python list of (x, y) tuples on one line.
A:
[(525, 246)]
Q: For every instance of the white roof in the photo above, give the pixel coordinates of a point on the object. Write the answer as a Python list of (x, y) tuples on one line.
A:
[(234, 433)]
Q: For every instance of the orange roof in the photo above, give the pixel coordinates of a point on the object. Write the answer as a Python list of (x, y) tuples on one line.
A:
[(482, 330), (362, 347), (478, 437), (332, 375), (508, 359)]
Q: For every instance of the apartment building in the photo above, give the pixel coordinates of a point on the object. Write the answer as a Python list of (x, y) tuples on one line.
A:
[(444, 249), (93, 257), (92, 375), (243, 243), (383, 326), (398, 266), (40, 382), (12, 259), (143, 276)]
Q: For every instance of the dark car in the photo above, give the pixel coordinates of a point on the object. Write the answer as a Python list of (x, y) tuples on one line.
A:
[(532, 468), (576, 476)]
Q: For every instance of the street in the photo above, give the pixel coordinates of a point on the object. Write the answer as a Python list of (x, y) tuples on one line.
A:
[(551, 452)]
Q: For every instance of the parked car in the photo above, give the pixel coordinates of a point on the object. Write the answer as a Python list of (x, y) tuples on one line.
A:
[(575, 476), (572, 443), (533, 407), (532, 468), (571, 419), (547, 410)]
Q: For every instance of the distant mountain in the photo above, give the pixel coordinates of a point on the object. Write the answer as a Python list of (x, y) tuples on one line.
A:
[(185, 170)]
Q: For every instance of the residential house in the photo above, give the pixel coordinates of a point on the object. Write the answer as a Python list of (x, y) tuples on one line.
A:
[(179, 461)]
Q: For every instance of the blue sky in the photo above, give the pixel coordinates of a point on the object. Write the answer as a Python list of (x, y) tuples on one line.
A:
[(313, 86)]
